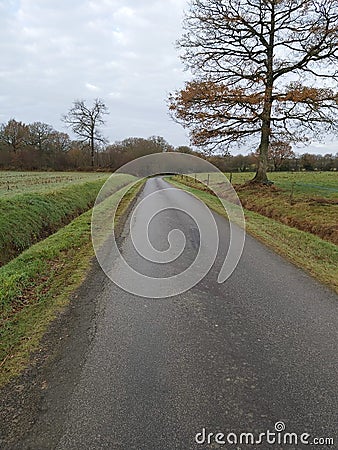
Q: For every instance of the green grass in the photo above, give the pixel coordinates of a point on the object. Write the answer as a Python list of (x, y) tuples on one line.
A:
[(298, 204), (324, 184), (318, 257), (13, 183), (321, 184), (37, 285), (27, 218)]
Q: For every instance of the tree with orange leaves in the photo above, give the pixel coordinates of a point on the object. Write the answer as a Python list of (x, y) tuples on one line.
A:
[(279, 151), (262, 69)]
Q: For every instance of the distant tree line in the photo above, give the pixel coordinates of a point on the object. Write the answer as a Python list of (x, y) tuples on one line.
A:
[(281, 158), (38, 146), (297, 162)]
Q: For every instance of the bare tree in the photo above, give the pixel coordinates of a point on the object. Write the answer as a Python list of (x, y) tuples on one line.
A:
[(261, 68), (84, 121)]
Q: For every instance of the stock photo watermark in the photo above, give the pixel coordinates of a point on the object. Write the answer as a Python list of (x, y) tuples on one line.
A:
[(279, 436), (155, 202)]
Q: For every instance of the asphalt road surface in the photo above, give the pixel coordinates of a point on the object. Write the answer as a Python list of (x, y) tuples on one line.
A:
[(228, 358)]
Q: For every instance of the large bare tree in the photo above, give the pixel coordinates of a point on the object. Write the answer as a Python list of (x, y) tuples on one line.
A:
[(85, 122), (261, 68)]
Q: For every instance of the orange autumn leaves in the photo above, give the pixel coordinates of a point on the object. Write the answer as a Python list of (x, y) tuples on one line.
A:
[(207, 108)]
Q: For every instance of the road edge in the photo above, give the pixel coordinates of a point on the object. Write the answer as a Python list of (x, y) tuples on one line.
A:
[(70, 332)]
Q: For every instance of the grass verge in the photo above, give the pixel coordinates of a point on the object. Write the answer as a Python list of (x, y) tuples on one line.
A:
[(318, 257), (28, 218), (308, 207), (37, 285)]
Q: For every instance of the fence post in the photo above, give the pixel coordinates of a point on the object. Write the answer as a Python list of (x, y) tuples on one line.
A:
[(292, 192)]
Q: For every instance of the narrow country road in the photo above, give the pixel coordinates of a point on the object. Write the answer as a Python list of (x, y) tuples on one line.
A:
[(231, 358)]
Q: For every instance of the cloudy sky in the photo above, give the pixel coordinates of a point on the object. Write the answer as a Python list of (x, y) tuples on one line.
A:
[(56, 51), (123, 51)]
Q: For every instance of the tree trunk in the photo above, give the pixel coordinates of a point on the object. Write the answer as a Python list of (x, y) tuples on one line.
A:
[(262, 166), (92, 149), (261, 176)]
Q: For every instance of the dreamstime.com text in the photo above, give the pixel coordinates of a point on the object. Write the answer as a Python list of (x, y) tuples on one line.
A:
[(277, 437)]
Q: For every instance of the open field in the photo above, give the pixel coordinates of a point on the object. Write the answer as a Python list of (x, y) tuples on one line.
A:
[(306, 201), (323, 184), (13, 183), (37, 285)]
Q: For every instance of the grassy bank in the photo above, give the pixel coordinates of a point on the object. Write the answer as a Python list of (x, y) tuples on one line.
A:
[(37, 285), (28, 218), (306, 201), (318, 257)]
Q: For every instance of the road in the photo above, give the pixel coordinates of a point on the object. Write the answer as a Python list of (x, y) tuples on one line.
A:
[(234, 357)]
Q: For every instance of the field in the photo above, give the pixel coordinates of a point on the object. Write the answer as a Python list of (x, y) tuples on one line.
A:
[(323, 184), (307, 201), (49, 202), (14, 183)]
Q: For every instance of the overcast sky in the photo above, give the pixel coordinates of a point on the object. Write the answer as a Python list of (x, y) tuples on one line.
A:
[(56, 51)]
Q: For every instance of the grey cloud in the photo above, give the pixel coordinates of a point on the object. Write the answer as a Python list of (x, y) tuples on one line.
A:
[(121, 51)]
